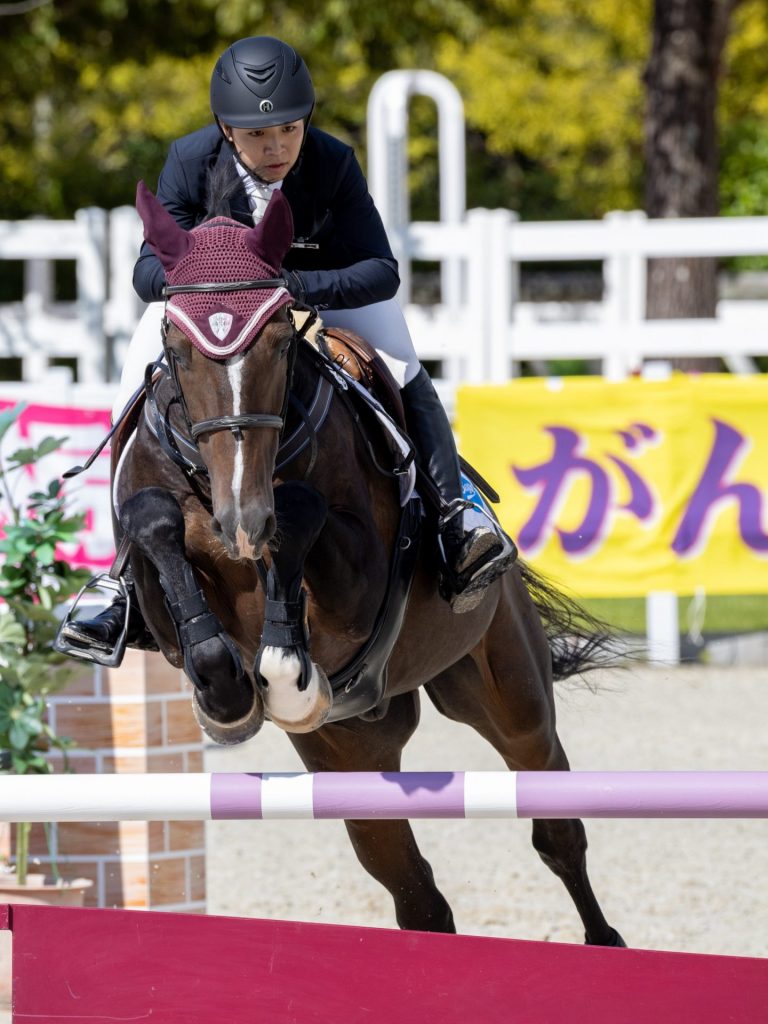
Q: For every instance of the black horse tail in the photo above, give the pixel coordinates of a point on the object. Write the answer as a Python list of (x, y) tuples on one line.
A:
[(579, 642)]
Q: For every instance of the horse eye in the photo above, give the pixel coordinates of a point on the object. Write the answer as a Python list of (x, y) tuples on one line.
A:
[(180, 355)]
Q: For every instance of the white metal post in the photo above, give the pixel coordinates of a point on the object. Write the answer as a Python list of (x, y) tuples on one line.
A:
[(92, 291), (501, 279), (663, 627), (388, 165), (124, 307)]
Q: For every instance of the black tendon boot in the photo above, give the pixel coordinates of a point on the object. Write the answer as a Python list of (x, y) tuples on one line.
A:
[(103, 633), (473, 557)]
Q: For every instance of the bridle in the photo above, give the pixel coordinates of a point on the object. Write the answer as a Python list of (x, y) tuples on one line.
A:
[(244, 421)]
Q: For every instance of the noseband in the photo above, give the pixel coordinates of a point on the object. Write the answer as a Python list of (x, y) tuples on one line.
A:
[(235, 424)]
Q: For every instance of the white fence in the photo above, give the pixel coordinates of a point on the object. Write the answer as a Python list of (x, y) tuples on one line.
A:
[(479, 331), (486, 327)]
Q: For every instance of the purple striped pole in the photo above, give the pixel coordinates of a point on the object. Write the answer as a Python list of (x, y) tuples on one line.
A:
[(246, 796), (493, 795)]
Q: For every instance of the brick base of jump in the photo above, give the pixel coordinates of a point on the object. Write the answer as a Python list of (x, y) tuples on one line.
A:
[(82, 966)]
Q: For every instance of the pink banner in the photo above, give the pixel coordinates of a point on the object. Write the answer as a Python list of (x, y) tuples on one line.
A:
[(89, 492)]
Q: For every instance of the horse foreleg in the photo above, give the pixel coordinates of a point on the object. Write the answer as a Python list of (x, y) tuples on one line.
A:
[(296, 693), (386, 849), (224, 701)]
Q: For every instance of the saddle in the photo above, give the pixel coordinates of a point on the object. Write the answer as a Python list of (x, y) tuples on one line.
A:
[(360, 360)]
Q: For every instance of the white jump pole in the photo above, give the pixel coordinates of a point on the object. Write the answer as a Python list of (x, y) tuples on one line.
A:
[(253, 796)]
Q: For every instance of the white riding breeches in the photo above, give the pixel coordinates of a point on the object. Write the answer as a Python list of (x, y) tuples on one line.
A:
[(382, 324)]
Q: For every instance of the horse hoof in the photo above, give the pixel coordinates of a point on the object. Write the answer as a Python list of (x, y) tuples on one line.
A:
[(230, 733), (614, 940), (295, 710)]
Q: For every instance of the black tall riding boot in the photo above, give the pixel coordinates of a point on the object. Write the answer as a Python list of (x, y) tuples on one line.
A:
[(103, 632), (472, 558)]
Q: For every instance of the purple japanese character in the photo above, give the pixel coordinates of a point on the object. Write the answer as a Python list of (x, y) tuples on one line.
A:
[(555, 477), (716, 487)]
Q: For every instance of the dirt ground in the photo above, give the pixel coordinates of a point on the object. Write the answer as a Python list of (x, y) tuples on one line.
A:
[(689, 886), (695, 886)]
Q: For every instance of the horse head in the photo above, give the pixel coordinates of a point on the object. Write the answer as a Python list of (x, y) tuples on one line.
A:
[(228, 339)]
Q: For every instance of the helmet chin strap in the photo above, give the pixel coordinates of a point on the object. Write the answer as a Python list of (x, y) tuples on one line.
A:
[(248, 170)]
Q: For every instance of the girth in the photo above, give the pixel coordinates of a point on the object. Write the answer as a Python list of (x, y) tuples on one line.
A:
[(360, 686)]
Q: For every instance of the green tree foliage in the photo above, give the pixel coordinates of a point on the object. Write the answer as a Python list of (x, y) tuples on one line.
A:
[(93, 91), (89, 95), (555, 87), (744, 113)]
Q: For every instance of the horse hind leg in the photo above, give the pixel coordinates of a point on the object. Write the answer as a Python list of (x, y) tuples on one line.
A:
[(509, 702), (387, 849), (225, 704), (562, 846)]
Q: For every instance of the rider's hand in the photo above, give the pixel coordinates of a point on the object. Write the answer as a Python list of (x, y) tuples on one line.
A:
[(295, 284)]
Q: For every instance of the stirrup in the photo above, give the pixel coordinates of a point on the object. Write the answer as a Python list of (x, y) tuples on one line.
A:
[(109, 657), (464, 589)]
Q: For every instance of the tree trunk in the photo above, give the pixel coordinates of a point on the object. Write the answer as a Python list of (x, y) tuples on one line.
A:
[(681, 151)]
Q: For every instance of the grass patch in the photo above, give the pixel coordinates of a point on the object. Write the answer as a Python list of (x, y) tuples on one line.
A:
[(738, 614)]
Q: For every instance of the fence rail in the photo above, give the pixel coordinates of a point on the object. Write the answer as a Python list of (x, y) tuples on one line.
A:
[(383, 795), (478, 331)]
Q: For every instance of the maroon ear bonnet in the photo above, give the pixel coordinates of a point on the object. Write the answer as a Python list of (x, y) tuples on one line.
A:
[(220, 324)]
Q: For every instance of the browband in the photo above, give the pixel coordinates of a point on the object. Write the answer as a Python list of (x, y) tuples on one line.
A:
[(231, 286)]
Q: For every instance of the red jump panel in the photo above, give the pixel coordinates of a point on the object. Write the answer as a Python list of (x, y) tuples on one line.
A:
[(86, 966)]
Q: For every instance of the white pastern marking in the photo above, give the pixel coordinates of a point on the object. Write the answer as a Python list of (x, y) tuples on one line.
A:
[(287, 706), (279, 668), (235, 375)]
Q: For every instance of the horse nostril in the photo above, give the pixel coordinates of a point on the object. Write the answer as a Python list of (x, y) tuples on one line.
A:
[(215, 525), (270, 527)]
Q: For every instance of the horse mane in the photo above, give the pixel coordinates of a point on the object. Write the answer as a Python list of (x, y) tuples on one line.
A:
[(222, 183)]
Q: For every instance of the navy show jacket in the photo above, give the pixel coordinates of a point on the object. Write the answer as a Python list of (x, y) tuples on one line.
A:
[(353, 263)]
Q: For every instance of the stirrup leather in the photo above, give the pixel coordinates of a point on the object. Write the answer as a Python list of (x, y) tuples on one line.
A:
[(109, 657)]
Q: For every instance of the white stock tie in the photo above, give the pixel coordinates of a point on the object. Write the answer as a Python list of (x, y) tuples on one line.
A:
[(259, 193), (259, 196)]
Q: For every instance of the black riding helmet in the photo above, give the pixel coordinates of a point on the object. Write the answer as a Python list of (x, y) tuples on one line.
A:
[(260, 82)]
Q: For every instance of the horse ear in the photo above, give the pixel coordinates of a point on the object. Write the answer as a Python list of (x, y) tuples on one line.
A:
[(168, 239), (271, 239)]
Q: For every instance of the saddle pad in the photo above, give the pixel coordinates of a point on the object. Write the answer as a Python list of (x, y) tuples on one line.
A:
[(358, 358)]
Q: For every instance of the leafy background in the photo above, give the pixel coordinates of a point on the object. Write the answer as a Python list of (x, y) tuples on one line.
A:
[(93, 91)]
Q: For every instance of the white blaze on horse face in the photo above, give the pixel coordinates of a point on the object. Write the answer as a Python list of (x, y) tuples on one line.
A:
[(235, 375)]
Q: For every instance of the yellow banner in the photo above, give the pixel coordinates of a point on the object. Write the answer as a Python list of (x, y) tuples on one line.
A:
[(618, 489)]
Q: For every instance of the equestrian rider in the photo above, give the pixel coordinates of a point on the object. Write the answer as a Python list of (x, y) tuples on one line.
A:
[(341, 262)]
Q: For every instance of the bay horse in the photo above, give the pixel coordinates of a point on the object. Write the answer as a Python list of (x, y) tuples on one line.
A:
[(265, 576)]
